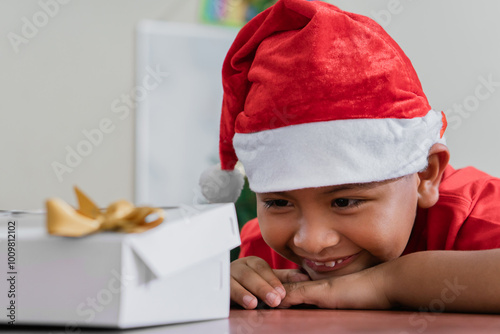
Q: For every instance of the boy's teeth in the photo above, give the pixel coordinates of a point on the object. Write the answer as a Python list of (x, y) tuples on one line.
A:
[(330, 264)]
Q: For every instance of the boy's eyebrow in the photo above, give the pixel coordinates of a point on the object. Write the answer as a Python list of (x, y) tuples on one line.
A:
[(342, 187), (352, 186), (368, 185), (278, 193)]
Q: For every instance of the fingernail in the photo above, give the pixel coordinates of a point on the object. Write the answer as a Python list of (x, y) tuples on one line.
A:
[(271, 298), (281, 291), (247, 300)]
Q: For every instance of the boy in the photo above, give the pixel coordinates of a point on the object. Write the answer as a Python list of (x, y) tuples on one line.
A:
[(357, 206)]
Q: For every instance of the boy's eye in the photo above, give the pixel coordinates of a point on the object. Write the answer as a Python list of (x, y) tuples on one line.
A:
[(345, 203), (276, 203)]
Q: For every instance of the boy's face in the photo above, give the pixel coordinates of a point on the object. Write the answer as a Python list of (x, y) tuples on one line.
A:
[(338, 230)]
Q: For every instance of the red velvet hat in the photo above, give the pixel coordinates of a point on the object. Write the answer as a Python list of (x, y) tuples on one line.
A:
[(316, 96)]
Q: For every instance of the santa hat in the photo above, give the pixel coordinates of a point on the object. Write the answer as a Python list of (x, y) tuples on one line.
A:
[(315, 96)]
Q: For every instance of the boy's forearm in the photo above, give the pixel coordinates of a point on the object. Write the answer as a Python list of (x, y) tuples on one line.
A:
[(467, 281)]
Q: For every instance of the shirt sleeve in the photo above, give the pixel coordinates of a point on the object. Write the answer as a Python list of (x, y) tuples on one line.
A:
[(481, 228)]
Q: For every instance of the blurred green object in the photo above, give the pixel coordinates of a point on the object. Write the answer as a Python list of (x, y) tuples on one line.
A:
[(261, 5), (231, 12), (246, 209), (257, 6)]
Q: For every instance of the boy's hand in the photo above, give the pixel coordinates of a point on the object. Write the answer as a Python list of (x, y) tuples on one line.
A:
[(252, 278), (361, 290)]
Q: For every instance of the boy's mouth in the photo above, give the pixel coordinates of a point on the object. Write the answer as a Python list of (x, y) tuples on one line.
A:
[(330, 265)]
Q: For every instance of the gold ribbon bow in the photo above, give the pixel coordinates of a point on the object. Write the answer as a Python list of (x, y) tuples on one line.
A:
[(121, 216)]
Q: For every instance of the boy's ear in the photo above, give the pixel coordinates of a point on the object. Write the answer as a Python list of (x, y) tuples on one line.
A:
[(428, 188)]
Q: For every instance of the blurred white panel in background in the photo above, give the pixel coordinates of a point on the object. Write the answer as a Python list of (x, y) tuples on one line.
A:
[(179, 98)]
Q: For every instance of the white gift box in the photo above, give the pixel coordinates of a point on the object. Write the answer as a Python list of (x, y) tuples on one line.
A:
[(176, 272)]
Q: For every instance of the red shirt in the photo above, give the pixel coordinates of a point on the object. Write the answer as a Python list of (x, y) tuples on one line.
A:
[(466, 217)]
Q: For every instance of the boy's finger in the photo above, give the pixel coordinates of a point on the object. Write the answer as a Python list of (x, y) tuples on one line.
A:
[(258, 287), (264, 284), (312, 293), (242, 296), (262, 268), (291, 275)]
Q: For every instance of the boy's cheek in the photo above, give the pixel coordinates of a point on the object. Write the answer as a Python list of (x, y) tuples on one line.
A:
[(274, 232)]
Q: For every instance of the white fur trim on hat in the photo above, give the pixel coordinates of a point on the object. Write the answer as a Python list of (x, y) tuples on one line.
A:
[(336, 152)]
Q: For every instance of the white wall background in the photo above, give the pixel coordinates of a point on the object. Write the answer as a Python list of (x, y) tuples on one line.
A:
[(64, 79), (62, 82)]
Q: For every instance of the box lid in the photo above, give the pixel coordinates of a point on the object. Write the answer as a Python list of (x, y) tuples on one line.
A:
[(189, 235)]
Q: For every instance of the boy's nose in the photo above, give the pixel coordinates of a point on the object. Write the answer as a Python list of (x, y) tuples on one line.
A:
[(312, 237)]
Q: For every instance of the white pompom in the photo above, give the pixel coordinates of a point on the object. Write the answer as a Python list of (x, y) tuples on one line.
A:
[(221, 186)]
